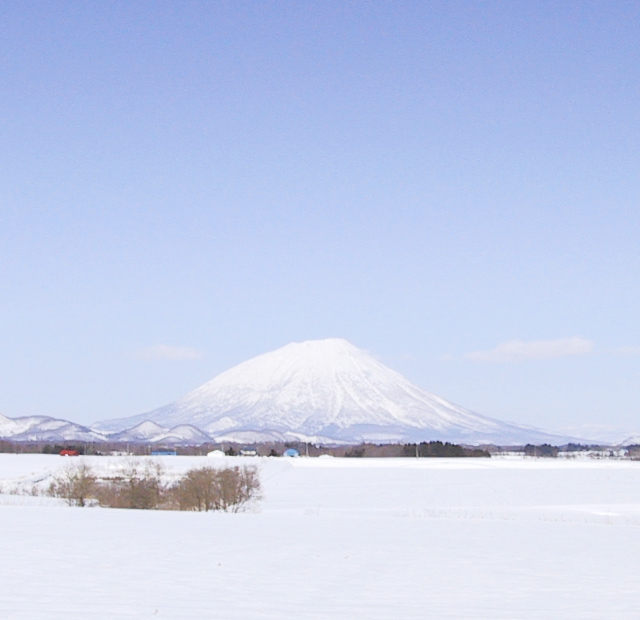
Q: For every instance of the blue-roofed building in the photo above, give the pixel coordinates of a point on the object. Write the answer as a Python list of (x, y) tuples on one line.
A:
[(249, 451)]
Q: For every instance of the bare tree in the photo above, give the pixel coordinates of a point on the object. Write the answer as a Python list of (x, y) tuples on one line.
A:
[(208, 488), (197, 490), (76, 484), (237, 487), (139, 485)]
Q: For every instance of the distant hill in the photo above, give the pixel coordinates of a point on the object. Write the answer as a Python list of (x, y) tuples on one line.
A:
[(45, 428)]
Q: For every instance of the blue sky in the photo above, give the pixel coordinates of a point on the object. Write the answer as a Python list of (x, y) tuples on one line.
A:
[(452, 186)]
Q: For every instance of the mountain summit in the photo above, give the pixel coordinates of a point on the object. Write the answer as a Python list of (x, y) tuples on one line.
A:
[(324, 391)]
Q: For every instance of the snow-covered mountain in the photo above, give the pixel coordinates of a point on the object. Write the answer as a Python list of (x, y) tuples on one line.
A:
[(151, 432), (325, 391), (145, 431), (634, 440), (44, 428)]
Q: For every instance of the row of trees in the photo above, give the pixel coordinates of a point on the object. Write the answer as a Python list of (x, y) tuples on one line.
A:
[(437, 449), (144, 486), (544, 449)]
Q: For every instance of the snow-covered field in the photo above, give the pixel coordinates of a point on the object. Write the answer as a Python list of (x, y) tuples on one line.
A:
[(337, 538)]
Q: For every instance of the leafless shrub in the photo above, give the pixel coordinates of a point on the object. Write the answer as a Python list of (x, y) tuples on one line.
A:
[(76, 484), (208, 488), (141, 485), (196, 491), (138, 486)]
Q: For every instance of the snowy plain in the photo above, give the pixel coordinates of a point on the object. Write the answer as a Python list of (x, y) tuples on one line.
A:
[(336, 538)]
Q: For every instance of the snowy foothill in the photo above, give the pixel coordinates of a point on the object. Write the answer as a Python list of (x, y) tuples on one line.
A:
[(335, 538)]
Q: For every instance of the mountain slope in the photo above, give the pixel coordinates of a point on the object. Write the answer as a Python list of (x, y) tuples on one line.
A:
[(44, 428), (325, 390)]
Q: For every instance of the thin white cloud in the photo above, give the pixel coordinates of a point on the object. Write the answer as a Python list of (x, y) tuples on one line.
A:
[(166, 352), (519, 351)]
